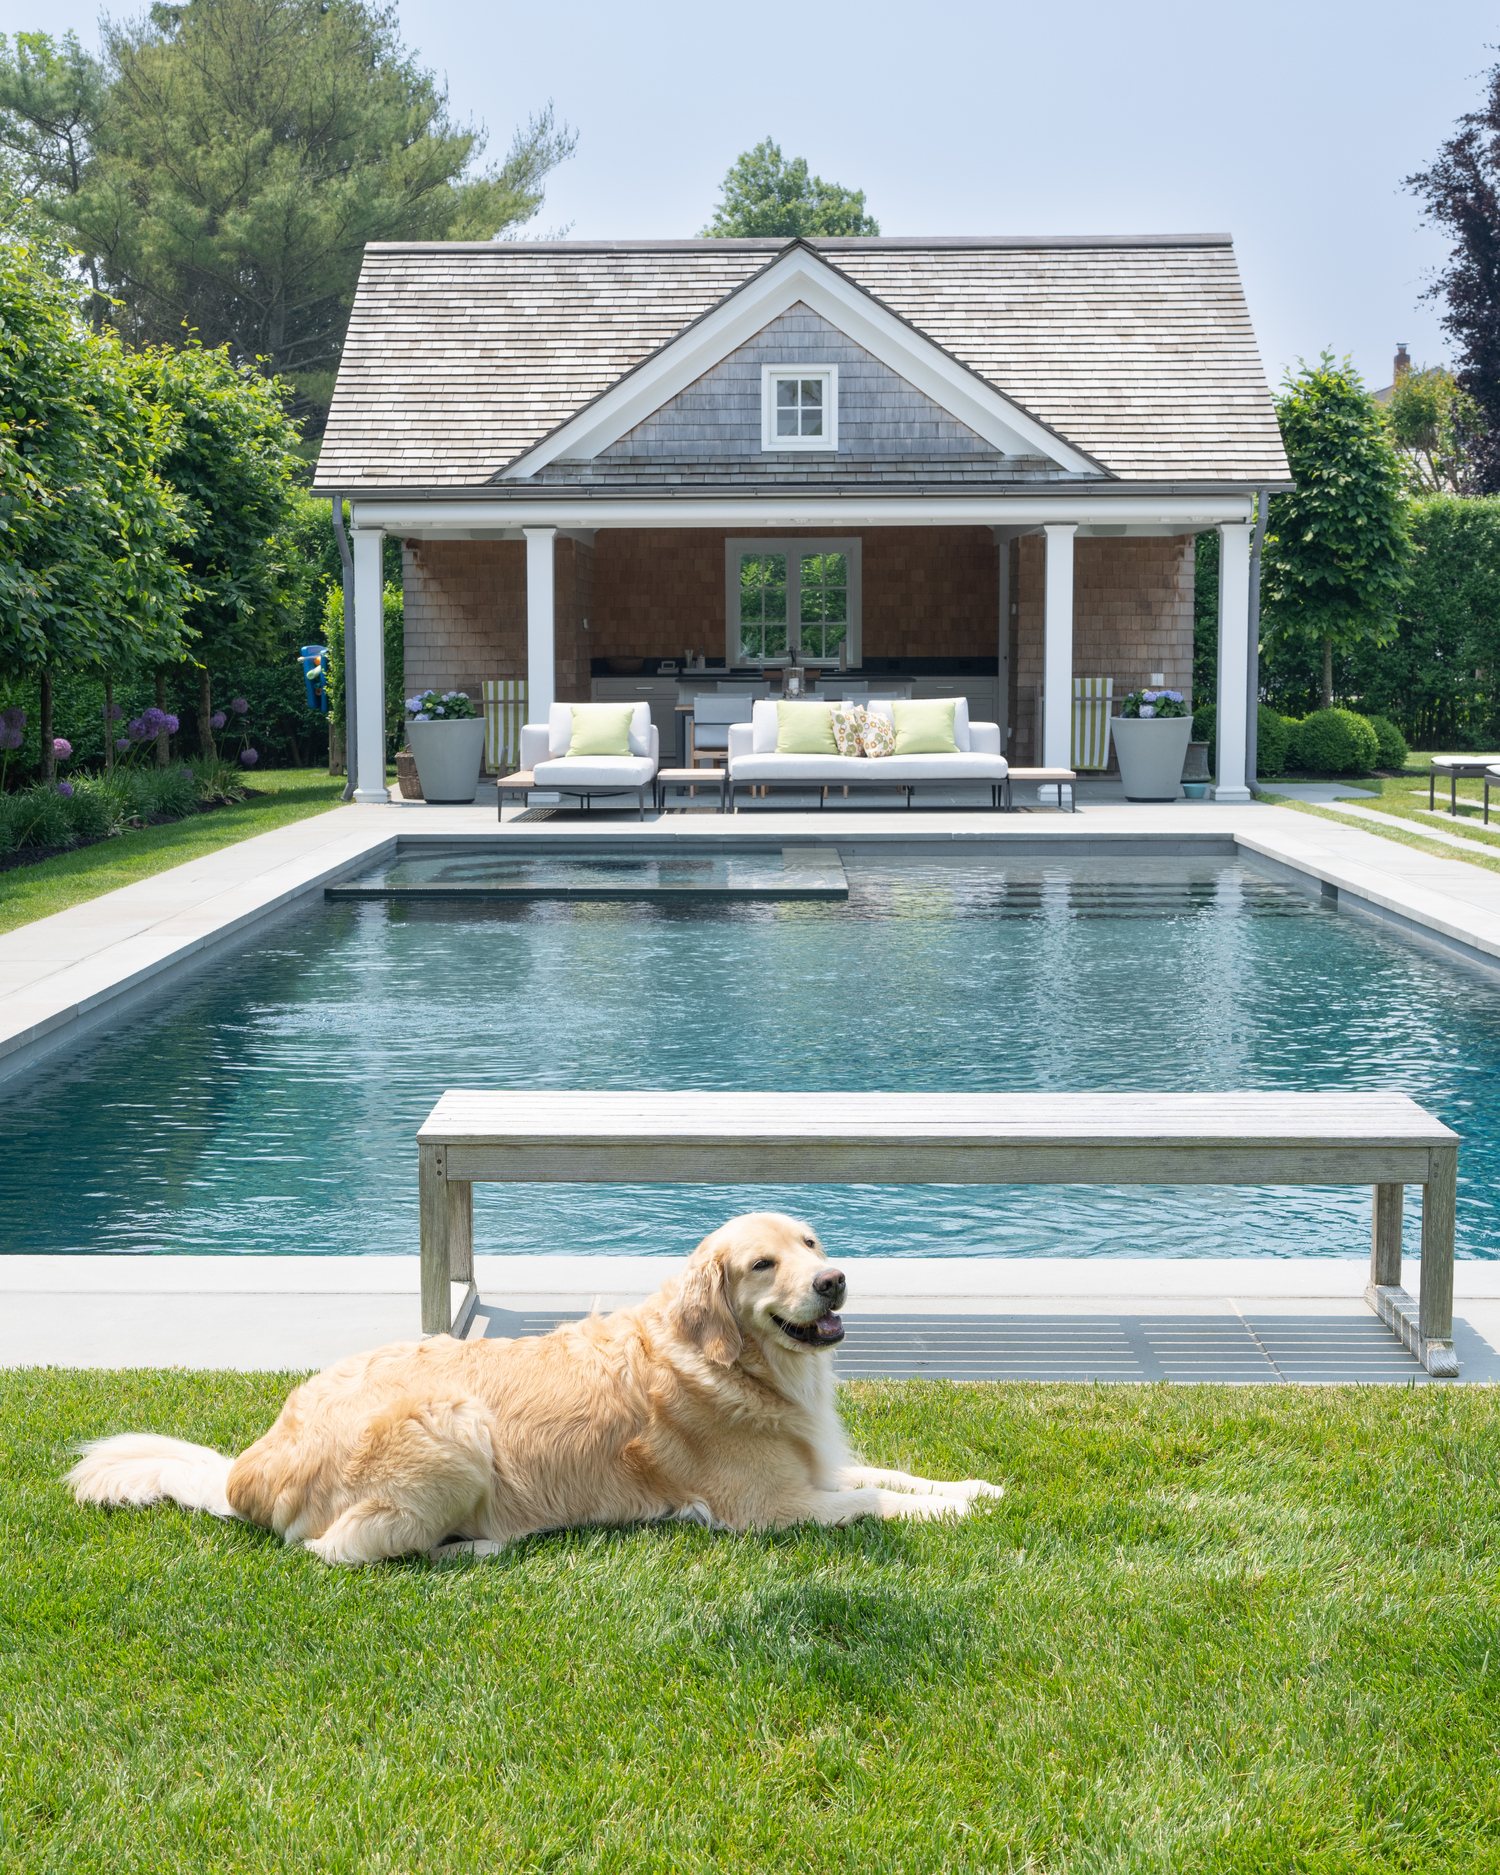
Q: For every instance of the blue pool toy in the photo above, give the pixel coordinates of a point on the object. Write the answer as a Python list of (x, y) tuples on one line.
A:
[(314, 664)]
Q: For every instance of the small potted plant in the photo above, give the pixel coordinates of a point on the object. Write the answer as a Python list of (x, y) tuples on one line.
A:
[(1151, 736), (447, 740)]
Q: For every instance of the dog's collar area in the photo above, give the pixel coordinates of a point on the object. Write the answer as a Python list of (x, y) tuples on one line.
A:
[(826, 1332)]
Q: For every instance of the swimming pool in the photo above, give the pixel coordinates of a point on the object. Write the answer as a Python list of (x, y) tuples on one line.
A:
[(269, 1103)]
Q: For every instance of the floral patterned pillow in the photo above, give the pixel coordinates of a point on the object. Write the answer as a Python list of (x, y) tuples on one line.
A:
[(879, 736), (849, 723)]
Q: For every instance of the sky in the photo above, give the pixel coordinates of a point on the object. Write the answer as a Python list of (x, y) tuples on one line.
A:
[(1291, 126)]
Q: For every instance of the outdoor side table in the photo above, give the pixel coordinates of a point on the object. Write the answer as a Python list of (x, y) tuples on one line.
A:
[(1456, 768), (690, 778), (1491, 780)]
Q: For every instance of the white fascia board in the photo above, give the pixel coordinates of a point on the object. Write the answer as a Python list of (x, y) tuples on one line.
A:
[(800, 276), (494, 519)]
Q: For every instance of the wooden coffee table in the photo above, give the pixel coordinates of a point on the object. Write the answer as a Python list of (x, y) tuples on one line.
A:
[(689, 778)]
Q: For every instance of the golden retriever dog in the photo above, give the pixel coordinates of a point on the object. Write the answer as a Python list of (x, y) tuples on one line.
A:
[(713, 1401)]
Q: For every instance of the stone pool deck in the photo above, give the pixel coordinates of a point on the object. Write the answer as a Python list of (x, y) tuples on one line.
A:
[(64, 976), (1272, 1322)]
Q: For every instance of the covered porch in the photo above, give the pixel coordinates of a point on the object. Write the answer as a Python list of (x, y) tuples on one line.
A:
[(1004, 598)]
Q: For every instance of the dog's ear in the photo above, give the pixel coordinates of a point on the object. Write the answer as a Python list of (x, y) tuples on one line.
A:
[(703, 1312)]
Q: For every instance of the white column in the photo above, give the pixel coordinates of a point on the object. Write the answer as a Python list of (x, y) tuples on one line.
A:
[(369, 664), (541, 624), (1234, 654), (1057, 650)]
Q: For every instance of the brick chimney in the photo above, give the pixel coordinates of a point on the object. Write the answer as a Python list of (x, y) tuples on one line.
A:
[(1403, 362)]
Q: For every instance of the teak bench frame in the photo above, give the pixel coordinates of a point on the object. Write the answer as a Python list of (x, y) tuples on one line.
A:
[(546, 1137)]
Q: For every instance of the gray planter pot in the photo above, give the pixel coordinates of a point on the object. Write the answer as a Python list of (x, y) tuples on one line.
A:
[(1151, 751), (448, 759)]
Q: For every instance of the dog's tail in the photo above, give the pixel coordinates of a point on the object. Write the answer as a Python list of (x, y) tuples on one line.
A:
[(143, 1468)]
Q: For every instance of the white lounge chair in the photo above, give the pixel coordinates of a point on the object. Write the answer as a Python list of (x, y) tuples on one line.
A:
[(544, 752)]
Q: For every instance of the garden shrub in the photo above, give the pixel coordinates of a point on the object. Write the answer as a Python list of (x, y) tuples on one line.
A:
[(1334, 742), (1273, 741), (1273, 736), (94, 811), (39, 817), (171, 791), (1390, 743)]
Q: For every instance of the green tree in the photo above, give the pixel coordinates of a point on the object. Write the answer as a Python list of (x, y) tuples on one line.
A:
[(1436, 425), (1338, 548), (1439, 678), (232, 458), (88, 576), (227, 161), (764, 195)]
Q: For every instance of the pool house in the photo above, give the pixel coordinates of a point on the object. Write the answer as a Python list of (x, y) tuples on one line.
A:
[(974, 466)]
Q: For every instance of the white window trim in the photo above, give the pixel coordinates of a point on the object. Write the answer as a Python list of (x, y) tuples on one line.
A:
[(794, 547), (769, 440)]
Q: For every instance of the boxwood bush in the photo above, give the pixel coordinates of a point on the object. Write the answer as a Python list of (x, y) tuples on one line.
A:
[(1334, 742), (1390, 743), (1273, 736)]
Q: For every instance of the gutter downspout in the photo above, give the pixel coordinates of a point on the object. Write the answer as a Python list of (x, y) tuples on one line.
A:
[(351, 761), (1252, 702)]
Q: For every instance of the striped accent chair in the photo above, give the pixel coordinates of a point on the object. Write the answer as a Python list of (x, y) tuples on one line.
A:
[(504, 713), (1092, 697)]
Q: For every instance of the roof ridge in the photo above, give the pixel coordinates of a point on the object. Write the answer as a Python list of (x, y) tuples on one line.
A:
[(772, 243)]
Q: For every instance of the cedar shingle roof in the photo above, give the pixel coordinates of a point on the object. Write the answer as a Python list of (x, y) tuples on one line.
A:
[(460, 356)]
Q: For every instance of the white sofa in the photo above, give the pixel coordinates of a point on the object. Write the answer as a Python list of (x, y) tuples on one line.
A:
[(754, 763), (544, 752)]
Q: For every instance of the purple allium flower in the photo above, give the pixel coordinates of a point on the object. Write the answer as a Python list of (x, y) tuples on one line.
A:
[(136, 729), (61, 748), (11, 738), (153, 722), (113, 713), (217, 720), (239, 706), (13, 717), (187, 772), (171, 721), (65, 789), (122, 743), (249, 757)]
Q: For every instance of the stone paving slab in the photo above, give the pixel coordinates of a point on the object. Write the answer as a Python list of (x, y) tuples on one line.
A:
[(1130, 1319)]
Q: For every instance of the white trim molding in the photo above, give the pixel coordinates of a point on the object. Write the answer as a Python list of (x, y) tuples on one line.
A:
[(797, 548), (801, 275), (493, 518), (828, 431)]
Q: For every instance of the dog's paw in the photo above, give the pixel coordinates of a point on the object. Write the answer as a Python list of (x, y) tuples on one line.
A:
[(902, 1504), (464, 1548), (970, 1488)]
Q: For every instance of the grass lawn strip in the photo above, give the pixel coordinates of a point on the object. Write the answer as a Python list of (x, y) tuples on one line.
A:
[(1396, 797), (1216, 1629), (288, 794)]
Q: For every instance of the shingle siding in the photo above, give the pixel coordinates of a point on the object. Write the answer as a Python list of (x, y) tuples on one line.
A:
[(459, 357), (720, 414)]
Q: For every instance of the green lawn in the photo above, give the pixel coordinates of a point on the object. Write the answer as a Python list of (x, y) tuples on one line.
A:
[(1207, 1629), (287, 794), (1404, 797)]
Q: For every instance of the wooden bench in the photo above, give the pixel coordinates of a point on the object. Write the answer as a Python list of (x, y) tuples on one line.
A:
[(1382, 1140)]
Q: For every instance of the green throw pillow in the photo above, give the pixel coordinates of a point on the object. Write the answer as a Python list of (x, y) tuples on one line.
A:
[(601, 729), (924, 728), (805, 729)]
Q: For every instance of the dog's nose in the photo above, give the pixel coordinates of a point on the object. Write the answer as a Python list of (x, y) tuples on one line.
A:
[(829, 1284)]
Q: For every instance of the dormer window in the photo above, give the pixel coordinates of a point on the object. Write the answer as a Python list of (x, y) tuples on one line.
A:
[(799, 407)]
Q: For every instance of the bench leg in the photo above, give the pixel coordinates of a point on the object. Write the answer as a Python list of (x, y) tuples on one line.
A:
[(446, 1208), (1439, 1203), (1425, 1325), (1385, 1237)]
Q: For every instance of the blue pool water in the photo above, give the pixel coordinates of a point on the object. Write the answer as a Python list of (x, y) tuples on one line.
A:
[(269, 1105)]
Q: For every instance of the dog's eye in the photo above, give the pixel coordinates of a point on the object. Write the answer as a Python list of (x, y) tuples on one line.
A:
[(811, 1242), (765, 1263)]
